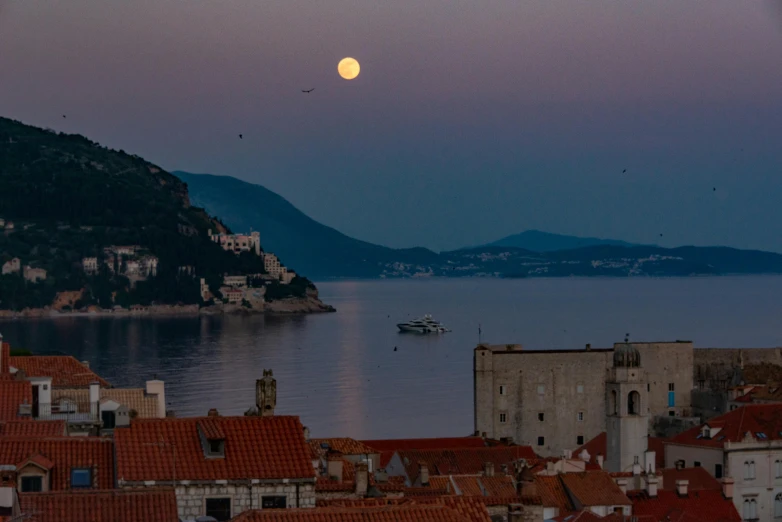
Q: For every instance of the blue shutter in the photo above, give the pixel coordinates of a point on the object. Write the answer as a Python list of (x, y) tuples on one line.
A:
[(671, 399)]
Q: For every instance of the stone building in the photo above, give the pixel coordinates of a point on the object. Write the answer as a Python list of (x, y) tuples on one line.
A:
[(238, 243), (556, 399)]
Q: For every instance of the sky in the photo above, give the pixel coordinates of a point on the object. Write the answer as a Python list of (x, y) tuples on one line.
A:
[(470, 120)]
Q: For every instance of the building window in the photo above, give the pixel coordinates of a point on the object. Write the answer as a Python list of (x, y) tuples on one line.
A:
[(671, 395), (32, 484), (580, 388), (671, 387), (502, 389), (219, 508), (749, 470), (614, 406), (696, 464), (750, 509), (541, 441), (633, 403), (273, 502), (648, 387), (109, 420), (541, 389), (778, 505), (81, 478), (778, 469), (503, 418), (216, 448), (580, 416), (718, 471), (580, 440), (541, 416)]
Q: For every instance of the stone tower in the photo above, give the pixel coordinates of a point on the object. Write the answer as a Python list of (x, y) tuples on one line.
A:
[(256, 238), (627, 410), (266, 394)]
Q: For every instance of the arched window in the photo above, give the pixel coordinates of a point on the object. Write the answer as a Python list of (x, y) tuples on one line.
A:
[(778, 469), (778, 505), (633, 403), (750, 509), (749, 470), (613, 405)]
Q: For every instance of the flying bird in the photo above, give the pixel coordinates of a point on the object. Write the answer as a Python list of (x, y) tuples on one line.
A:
[(715, 189), (240, 137), (63, 115), (624, 171), (309, 91)]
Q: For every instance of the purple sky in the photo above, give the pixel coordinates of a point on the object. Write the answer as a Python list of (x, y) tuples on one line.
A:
[(469, 121)]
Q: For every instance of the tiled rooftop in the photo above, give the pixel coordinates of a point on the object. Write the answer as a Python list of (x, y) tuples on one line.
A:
[(5, 355), (598, 445), (64, 370), (26, 428), (149, 505), (271, 448), (12, 394), (64, 453), (345, 446), (552, 493), (761, 422), (136, 399), (404, 513), (463, 461), (387, 447), (697, 506), (471, 509), (594, 488), (699, 479)]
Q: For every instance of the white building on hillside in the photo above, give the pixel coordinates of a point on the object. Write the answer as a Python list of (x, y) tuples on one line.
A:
[(238, 243)]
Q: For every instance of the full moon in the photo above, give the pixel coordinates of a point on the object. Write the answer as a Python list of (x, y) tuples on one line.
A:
[(348, 68)]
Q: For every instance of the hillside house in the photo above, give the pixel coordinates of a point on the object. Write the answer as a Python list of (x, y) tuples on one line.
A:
[(34, 275), (89, 265), (12, 267), (238, 243)]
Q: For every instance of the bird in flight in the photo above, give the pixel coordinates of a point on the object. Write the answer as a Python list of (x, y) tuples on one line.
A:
[(63, 115), (309, 91), (715, 189), (624, 171), (240, 137)]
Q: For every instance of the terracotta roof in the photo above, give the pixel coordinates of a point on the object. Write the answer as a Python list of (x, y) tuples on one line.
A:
[(699, 479), (255, 447), (583, 516), (5, 357), (38, 460), (405, 513), (345, 446), (463, 461), (470, 508), (64, 453), (210, 428), (552, 493), (598, 445), (12, 394), (697, 506), (594, 488), (115, 505), (387, 447), (26, 428), (136, 399), (766, 392), (64, 370), (762, 422)]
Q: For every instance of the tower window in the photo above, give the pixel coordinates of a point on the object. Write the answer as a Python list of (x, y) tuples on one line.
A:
[(502, 389), (580, 388), (503, 418), (633, 403), (671, 387), (541, 441), (580, 440), (580, 416), (541, 416), (614, 406), (541, 389)]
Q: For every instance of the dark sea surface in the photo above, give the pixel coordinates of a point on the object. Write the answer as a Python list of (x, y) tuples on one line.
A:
[(340, 372)]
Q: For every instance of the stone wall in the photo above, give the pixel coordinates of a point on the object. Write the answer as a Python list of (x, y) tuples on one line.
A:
[(191, 499)]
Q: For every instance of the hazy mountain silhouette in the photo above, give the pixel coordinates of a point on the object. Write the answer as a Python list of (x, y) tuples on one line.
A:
[(539, 241)]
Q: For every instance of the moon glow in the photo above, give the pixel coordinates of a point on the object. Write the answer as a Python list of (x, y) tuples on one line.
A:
[(348, 68)]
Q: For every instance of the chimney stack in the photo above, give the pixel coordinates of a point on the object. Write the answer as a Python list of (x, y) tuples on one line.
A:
[(588, 347), (650, 462), (681, 487), (727, 487), (599, 459), (515, 513), (567, 454), (488, 469), (158, 389), (94, 396), (423, 473), (9, 505), (381, 476), (636, 467), (86, 364), (622, 483), (651, 485), (362, 479), (266, 394), (212, 413), (306, 433)]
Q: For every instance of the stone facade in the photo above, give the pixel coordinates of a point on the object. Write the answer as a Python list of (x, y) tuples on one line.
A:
[(191, 498), (555, 399)]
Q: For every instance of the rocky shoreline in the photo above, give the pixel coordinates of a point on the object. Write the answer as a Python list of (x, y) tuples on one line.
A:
[(289, 306)]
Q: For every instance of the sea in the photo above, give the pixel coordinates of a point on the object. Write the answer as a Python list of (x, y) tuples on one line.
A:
[(352, 374)]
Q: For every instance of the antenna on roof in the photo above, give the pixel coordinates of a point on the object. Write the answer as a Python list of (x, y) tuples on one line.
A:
[(479, 333), (627, 337)]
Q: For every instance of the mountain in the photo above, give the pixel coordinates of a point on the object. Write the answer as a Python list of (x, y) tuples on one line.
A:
[(539, 241), (323, 252), (301, 242), (64, 198)]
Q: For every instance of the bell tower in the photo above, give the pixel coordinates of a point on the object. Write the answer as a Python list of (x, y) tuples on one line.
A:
[(627, 409), (266, 394)]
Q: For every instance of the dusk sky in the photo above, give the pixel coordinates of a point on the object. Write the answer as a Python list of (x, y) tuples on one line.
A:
[(470, 120)]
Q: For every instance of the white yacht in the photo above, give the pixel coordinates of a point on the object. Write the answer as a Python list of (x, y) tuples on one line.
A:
[(424, 324)]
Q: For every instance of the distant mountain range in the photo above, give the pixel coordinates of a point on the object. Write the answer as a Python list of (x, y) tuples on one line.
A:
[(323, 252)]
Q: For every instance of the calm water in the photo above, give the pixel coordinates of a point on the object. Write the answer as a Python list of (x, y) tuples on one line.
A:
[(340, 372)]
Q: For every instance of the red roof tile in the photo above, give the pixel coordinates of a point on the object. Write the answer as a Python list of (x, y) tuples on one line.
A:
[(699, 479), (594, 488), (552, 493), (463, 461), (255, 447), (697, 506), (5, 357), (148, 505), (762, 422), (583, 516), (26, 428), (64, 453), (211, 429), (346, 446), (410, 513), (387, 447), (38, 460), (65, 371), (12, 394), (469, 507)]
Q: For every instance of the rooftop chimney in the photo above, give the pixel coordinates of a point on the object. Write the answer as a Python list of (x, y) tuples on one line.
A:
[(679, 464), (86, 364), (636, 467), (650, 462), (362, 479), (334, 465), (158, 389), (8, 502), (94, 394), (213, 413), (423, 473), (266, 394), (515, 513), (567, 454), (681, 487), (599, 459), (488, 469), (381, 476), (306, 433), (622, 483), (727, 487), (588, 347), (651, 485)]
